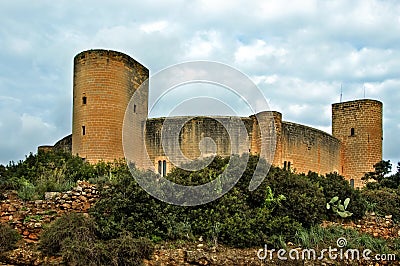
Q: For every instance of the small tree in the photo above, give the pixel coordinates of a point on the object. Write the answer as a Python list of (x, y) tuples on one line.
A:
[(380, 175), (382, 168)]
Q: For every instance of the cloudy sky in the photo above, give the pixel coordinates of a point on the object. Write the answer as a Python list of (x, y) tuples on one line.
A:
[(299, 53)]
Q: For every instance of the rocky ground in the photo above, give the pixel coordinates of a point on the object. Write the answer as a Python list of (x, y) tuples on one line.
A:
[(200, 253)]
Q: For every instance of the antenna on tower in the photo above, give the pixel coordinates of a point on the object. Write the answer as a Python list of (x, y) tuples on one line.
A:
[(364, 91), (341, 93)]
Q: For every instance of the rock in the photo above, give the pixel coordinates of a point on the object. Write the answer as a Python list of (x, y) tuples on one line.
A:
[(388, 216), (33, 237), (200, 245), (82, 198), (66, 206), (50, 195), (75, 204), (37, 225)]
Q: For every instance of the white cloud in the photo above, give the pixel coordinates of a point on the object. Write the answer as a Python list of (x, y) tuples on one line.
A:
[(249, 54), (298, 53), (154, 26), (202, 45)]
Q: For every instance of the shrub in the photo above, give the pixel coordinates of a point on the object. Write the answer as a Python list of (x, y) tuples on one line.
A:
[(81, 253), (334, 185), (304, 202), (126, 250), (71, 227), (239, 218), (386, 201), (8, 238), (75, 238)]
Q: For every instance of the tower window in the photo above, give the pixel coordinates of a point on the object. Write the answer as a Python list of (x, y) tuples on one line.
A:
[(83, 130), (160, 168), (352, 132), (164, 168), (134, 108), (84, 100), (286, 165), (352, 183)]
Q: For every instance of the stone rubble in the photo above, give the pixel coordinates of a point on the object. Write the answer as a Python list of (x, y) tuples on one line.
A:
[(28, 217)]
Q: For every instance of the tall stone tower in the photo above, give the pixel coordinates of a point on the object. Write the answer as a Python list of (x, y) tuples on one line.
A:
[(104, 82), (358, 125)]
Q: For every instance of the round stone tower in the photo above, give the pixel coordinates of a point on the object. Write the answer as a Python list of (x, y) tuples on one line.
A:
[(104, 82), (358, 125)]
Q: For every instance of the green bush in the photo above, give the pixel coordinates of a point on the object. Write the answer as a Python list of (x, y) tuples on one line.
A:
[(81, 253), (305, 201), (74, 236), (124, 250), (239, 218), (127, 250), (386, 201), (8, 238), (44, 171), (334, 185), (70, 227)]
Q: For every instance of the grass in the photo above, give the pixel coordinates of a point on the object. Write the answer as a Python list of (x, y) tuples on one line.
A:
[(319, 237)]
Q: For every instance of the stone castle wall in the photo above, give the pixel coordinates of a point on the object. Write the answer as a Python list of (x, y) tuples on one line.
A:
[(199, 136), (307, 148)]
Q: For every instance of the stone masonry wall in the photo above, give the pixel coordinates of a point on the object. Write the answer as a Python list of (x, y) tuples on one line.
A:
[(304, 147), (308, 149), (28, 217), (195, 137)]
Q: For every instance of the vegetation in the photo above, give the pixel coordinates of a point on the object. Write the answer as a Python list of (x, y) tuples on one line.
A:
[(76, 239), (337, 207), (286, 207), (320, 237), (382, 193), (51, 171), (8, 238), (381, 178)]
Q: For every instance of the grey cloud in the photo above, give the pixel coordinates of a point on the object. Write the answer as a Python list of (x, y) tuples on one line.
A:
[(299, 53)]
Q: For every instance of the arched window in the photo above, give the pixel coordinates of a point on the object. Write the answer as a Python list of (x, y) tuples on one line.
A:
[(352, 132), (164, 168), (160, 168), (352, 183)]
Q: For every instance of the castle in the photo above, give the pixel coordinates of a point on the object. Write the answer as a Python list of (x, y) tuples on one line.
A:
[(104, 82)]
